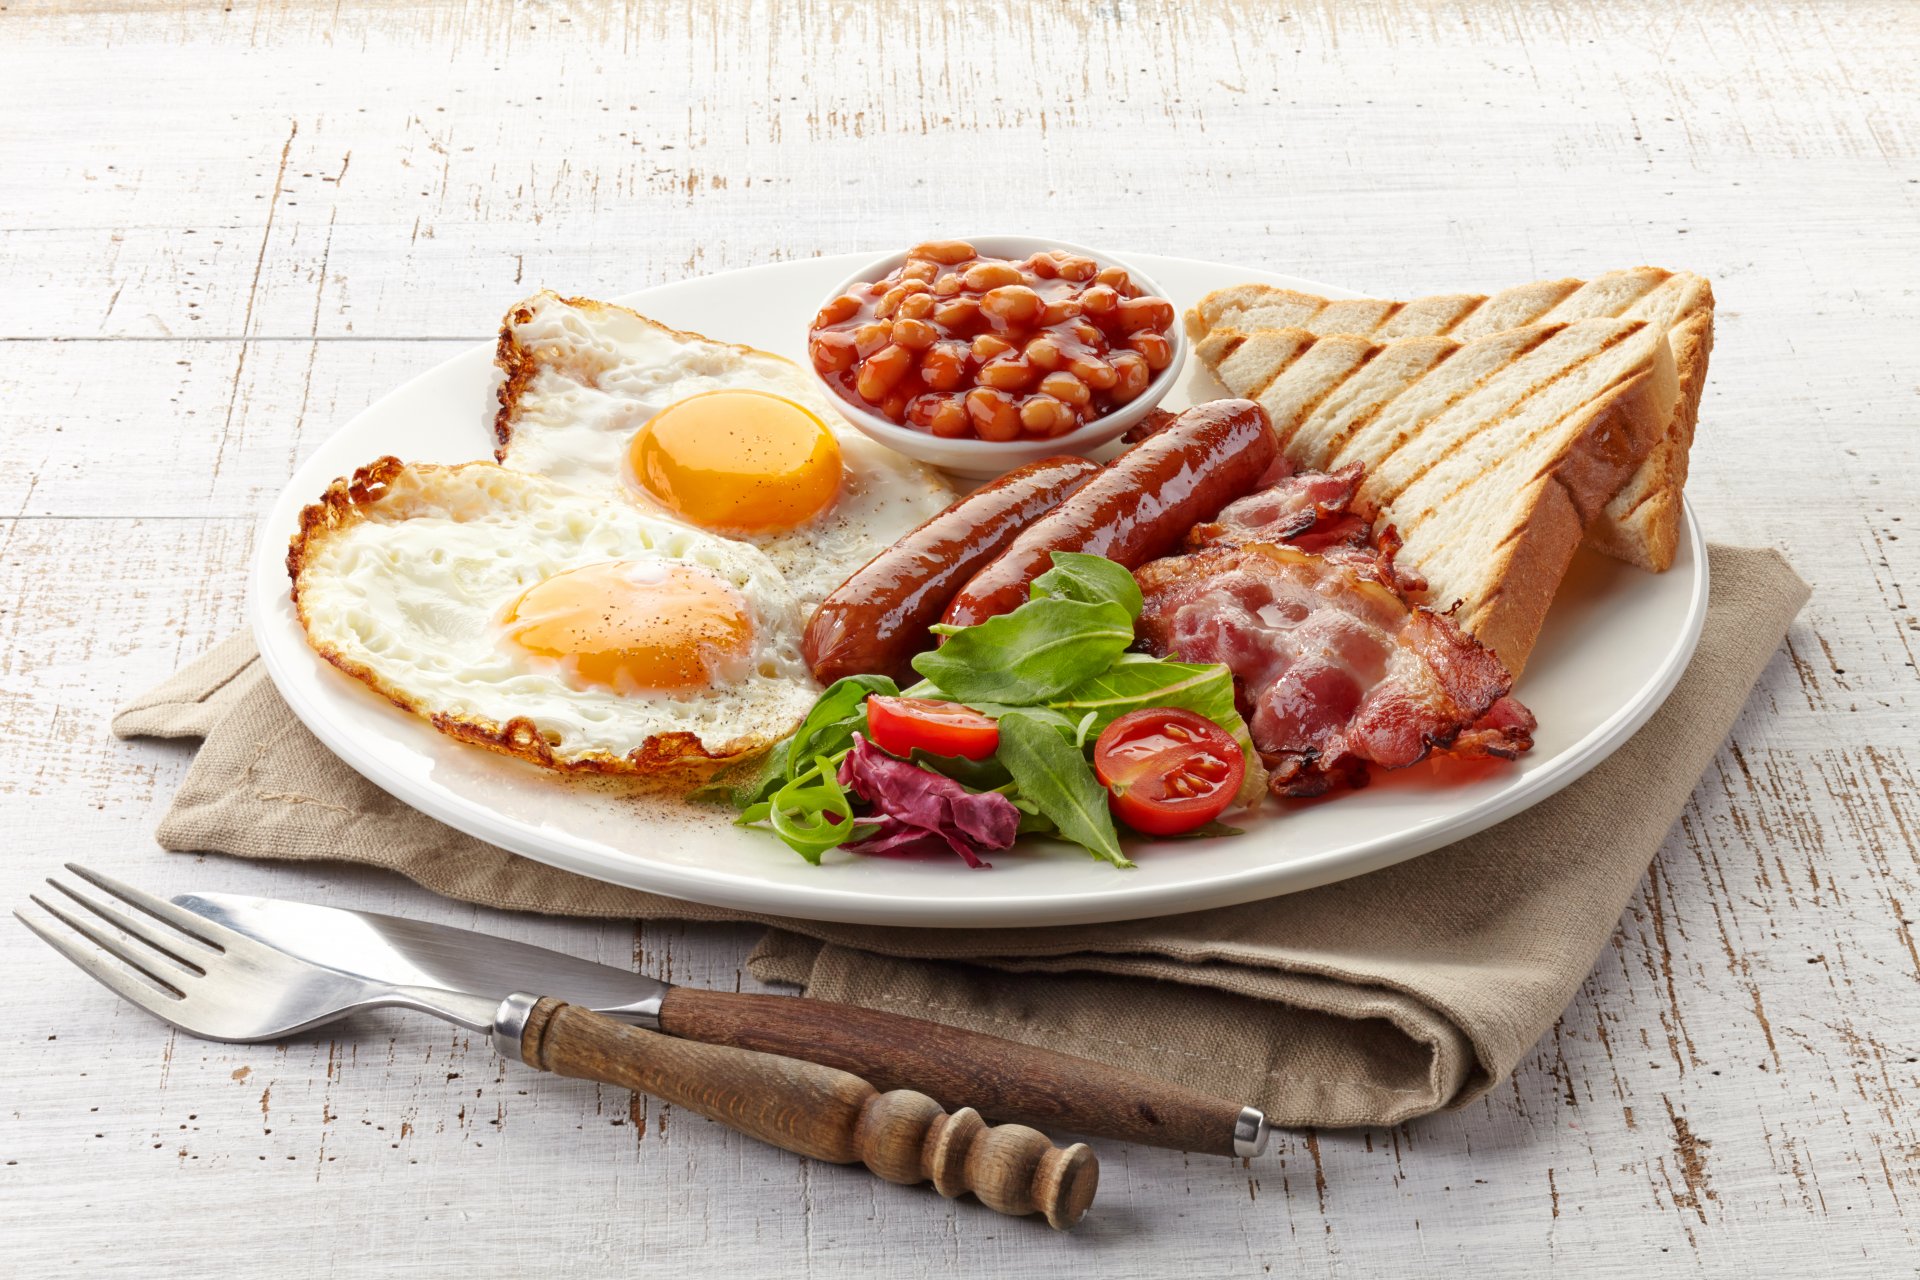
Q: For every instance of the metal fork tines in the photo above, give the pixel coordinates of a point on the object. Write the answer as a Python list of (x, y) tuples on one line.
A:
[(168, 960), (208, 979), (173, 971), (202, 977)]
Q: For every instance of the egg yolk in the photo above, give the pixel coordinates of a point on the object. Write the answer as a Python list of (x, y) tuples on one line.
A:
[(739, 461), (635, 627)]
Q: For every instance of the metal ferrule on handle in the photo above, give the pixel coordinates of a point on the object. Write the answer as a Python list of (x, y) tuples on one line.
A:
[(1250, 1132), (510, 1025)]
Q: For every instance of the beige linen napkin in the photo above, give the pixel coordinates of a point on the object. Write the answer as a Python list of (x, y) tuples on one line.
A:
[(1365, 1002)]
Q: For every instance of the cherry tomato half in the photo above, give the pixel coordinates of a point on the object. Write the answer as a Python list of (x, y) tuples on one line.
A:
[(1168, 770), (944, 728)]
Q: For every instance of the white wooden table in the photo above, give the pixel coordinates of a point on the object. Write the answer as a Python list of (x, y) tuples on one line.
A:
[(223, 231)]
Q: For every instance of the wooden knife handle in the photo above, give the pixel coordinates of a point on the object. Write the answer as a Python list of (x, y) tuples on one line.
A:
[(821, 1112), (1006, 1080)]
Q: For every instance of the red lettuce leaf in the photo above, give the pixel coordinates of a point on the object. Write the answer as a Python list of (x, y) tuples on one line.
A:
[(917, 812)]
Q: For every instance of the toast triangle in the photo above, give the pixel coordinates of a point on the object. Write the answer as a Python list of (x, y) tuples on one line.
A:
[(1490, 455), (1641, 523)]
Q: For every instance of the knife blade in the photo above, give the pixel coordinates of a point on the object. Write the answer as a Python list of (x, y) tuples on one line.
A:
[(1005, 1080), (212, 981), (435, 957)]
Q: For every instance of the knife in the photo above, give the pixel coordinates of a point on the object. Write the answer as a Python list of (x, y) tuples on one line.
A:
[(217, 983), (1003, 1079)]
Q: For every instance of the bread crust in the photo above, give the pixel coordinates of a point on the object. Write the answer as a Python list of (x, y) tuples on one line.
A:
[(1598, 442), (1621, 429), (1641, 524)]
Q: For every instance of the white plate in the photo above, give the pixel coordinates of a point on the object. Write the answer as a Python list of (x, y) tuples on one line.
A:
[(1614, 645)]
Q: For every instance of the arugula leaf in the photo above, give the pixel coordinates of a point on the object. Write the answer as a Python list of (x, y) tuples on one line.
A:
[(1041, 649), (836, 715), (1067, 728), (1135, 681), (1090, 579), (981, 775), (1054, 778)]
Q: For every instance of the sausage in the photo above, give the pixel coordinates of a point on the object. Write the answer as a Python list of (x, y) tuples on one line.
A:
[(876, 620), (1140, 507)]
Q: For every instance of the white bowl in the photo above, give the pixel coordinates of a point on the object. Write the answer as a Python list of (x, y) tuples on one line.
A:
[(989, 457)]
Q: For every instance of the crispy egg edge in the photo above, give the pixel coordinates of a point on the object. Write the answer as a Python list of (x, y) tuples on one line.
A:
[(520, 363), (669, 760)]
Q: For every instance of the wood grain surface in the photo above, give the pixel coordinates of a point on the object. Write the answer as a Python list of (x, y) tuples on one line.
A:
[(822, 1113), (1003, 1079), (225, 228)]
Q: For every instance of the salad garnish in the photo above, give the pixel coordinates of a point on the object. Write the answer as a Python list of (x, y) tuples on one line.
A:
[(1001, 736)]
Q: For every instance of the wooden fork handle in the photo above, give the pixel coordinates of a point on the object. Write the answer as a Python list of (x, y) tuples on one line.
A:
[(1006, 1080), (820, 1112)]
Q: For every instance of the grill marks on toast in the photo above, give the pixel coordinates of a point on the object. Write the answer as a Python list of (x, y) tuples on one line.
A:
[(1641, 522), (1514, 431), (1358, 403), (1471, 410), (1322, 368), (1274, 350), (1546, 428), (1488, 454), (1511, 308), (1495, 477)]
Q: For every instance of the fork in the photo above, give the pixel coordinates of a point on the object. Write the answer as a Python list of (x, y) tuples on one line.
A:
[(219, 984)]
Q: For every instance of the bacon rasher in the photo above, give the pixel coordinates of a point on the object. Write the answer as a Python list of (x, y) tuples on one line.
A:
[(1336, 669), (1288, 508), (1311, 510)]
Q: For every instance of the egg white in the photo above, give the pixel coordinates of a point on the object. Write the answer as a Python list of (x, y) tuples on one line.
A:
[(584, 376), (401, 575)]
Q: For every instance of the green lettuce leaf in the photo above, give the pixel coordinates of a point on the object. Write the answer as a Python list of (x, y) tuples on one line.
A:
[(1090, 579), (1038, 651), (811, 813), (1055, 781)]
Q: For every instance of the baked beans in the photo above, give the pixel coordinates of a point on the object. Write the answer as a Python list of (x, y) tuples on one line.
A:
[(959, 345)]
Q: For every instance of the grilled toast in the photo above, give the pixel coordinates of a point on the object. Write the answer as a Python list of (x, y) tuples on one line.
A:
[(1491, 455), (1641, 523)]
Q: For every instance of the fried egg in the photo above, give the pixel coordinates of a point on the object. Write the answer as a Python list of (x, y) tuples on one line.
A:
[(573, 630), (734, 441)]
